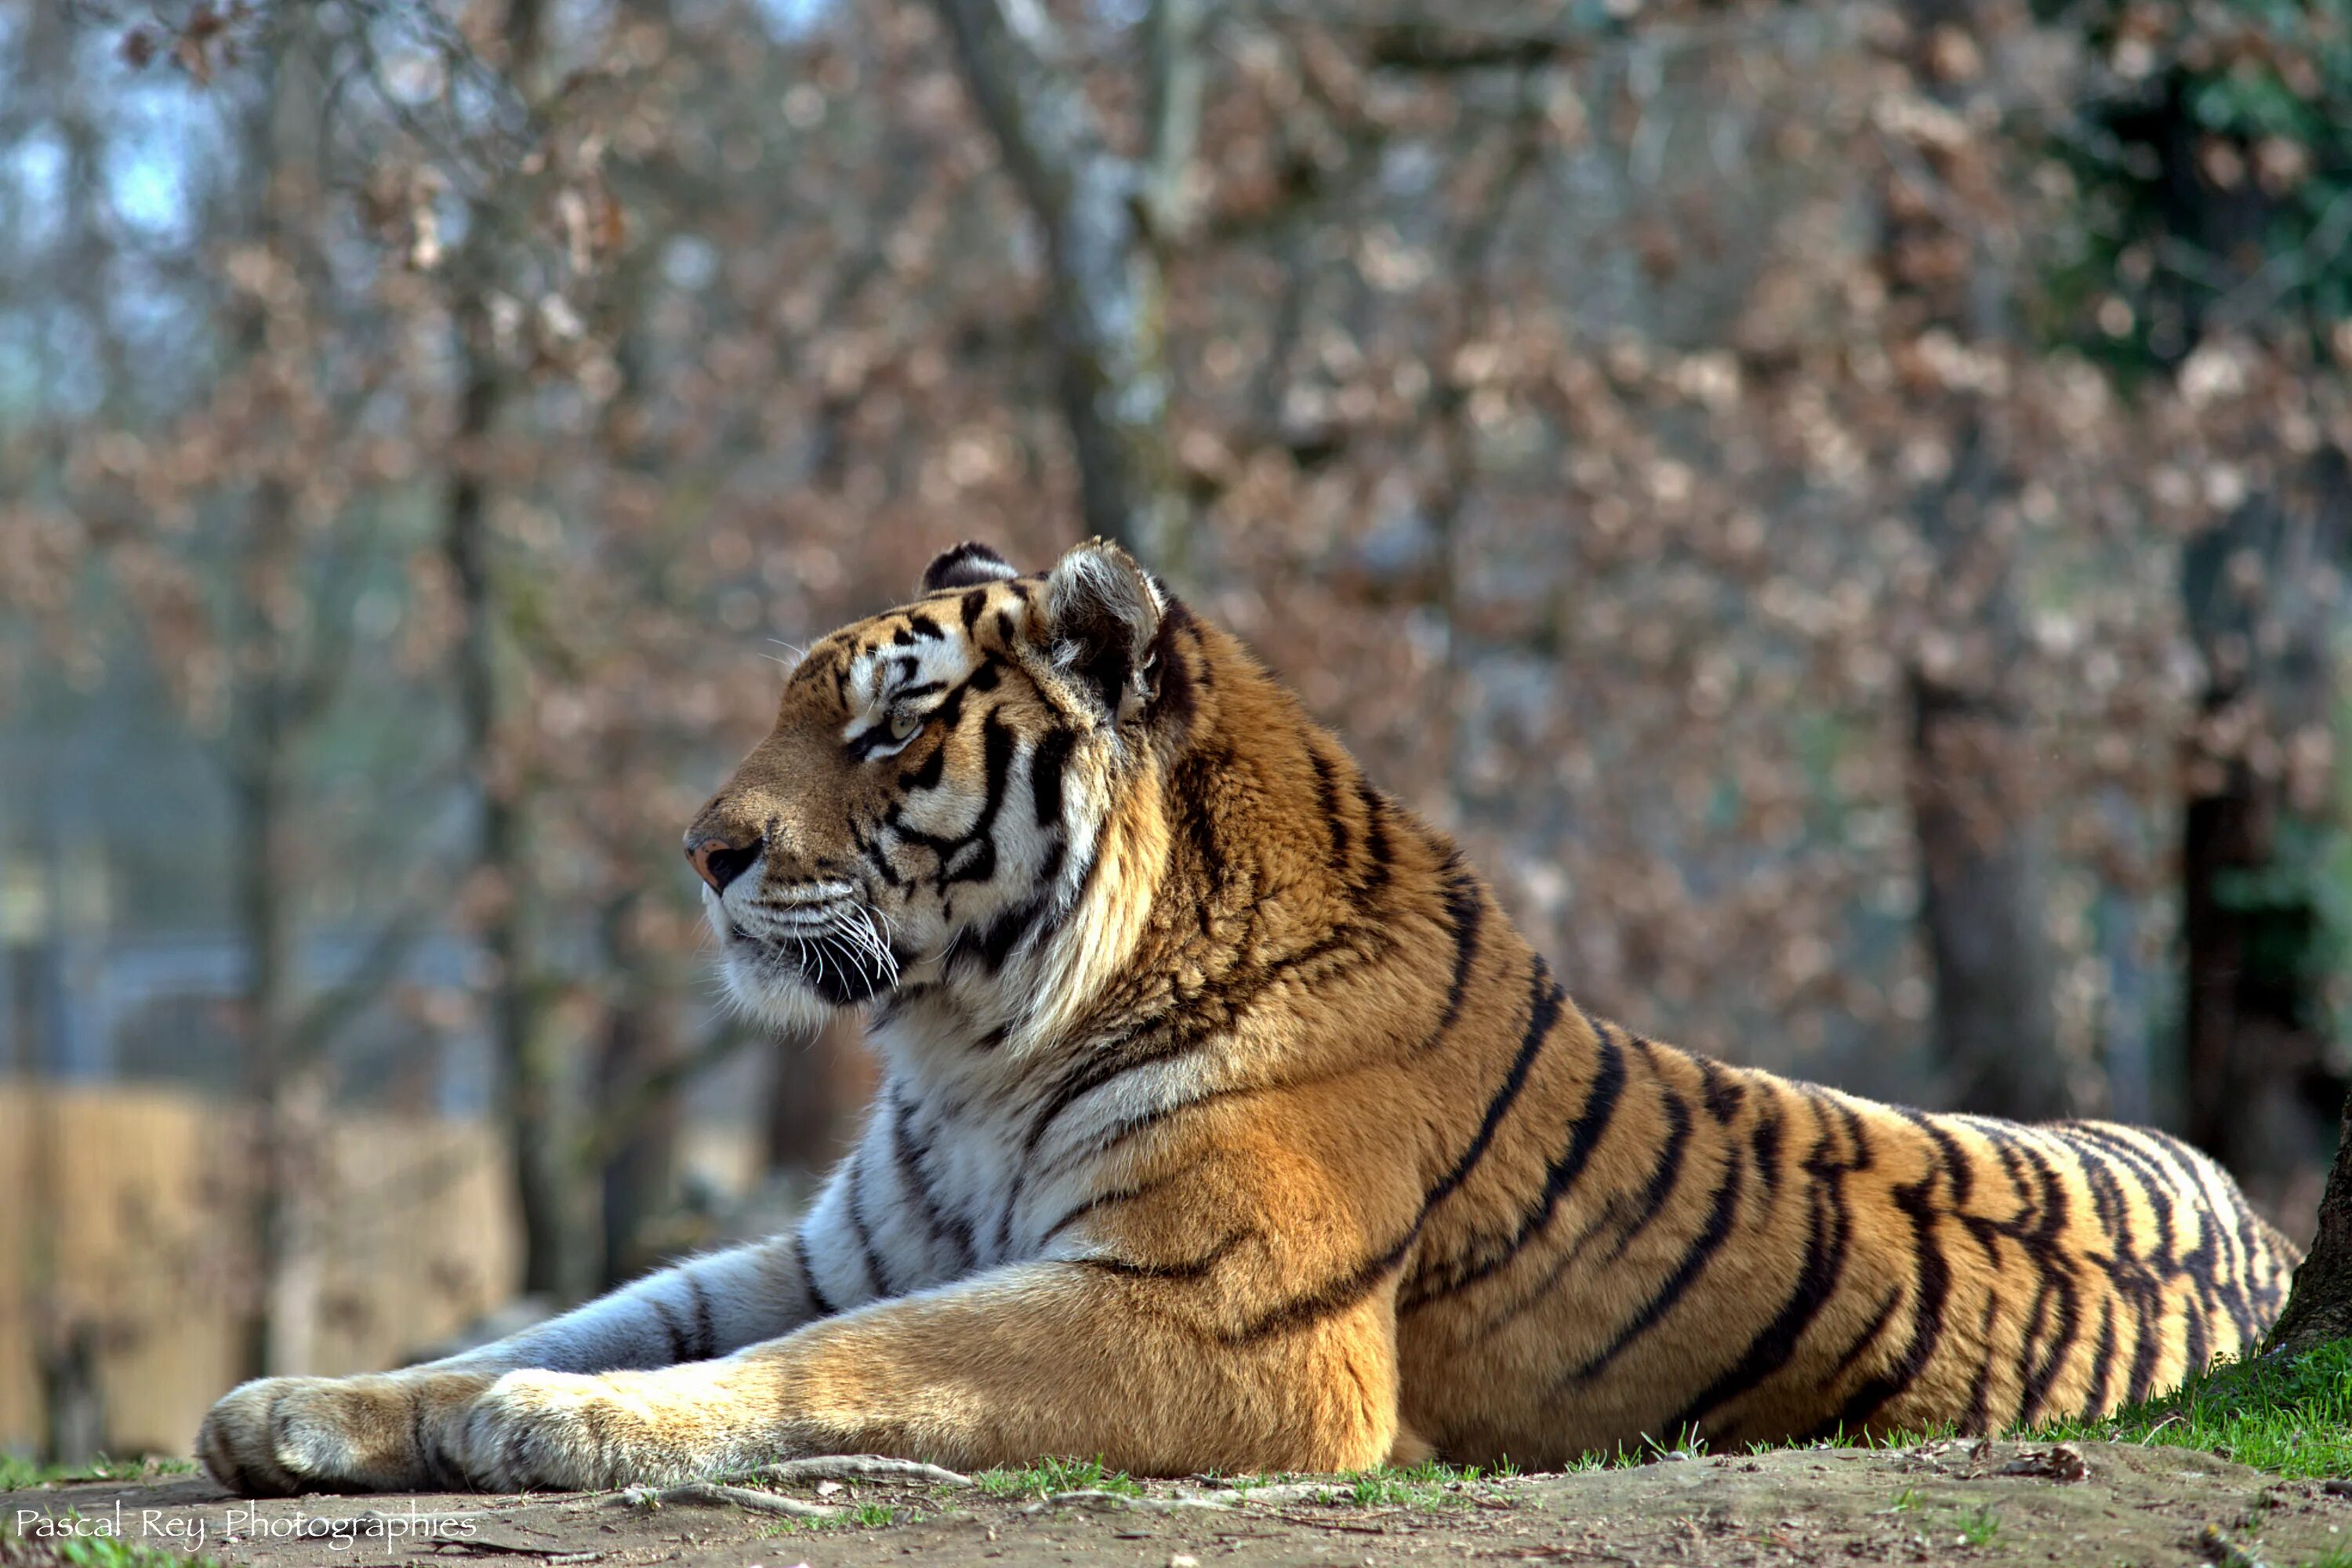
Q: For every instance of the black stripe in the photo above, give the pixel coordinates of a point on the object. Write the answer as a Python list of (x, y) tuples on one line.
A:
[(870, 851), (1099, 1201), (2146, 1288), (924, 626), (1194, 785), (1979, 1420), (1828, 1232), (1377, 849), (670, 1329), (1766, 1138), (1465, 906), (934, 767), (445, 1476), (1869, 1335), (706, 1334), (1544, 998), (969, 606), (1326, 797), (1663, 1175), (2148, 1345), (2127, 1277), (2059, 1287), (1120, 1132), (1711, 1237), (1046, 768), (2103, 1355), (817, 1302), (2108, 1206), (1091, 1073), (1931, 1284), (996, 746), (1721, 1091), (1191, 1269), (1543, 1013), (1337, 1297), (1004, 933), (952, 1231), (857, 1226), (1592, 1121)]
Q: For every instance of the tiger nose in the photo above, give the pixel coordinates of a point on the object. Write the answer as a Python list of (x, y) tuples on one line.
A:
[(717, 862)]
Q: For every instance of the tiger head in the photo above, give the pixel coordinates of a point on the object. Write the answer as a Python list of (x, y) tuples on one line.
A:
[(933, 798)]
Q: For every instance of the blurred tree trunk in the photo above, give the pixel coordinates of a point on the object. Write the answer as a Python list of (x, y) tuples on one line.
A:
[(1994, 1029), (283, 1087), (637, 1065), (275, 697), (2260, 593), (2253, 820), (820, 1080), (2320, 1309), (1108, 224), (530, 1070)]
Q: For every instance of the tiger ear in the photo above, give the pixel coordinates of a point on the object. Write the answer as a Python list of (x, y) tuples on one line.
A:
[(1102, 614), (966, 565)]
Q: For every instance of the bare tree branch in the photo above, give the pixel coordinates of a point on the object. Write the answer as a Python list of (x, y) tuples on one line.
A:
[(1108, 313), (1171, 113)]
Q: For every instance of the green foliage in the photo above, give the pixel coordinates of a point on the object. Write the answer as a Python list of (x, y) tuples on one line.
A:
[(2302, 898), (2292, 1416), (2216, 174)]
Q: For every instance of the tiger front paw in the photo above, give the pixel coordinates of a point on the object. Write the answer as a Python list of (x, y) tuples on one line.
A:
[(590, 1432), (282, 1436)]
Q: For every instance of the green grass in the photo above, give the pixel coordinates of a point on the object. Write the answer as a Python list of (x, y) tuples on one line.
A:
[(1049, 1476), (1426, 1485), (2292, 1418), (22, 1475), (1978, 1525), (864, 1516)]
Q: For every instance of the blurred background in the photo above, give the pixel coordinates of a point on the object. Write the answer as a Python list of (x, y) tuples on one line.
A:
[(1842, 506)]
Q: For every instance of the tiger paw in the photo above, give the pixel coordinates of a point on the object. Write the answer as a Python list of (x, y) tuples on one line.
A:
[(558, 1431), (282, 1436)]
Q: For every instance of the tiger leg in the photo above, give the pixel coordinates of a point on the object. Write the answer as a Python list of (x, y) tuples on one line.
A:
[(398, 1430), (1041, 1358)]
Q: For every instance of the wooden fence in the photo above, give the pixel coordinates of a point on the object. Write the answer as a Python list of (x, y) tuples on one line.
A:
[(121, 1242)]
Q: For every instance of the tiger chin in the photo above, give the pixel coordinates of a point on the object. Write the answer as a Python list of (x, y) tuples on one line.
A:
[(1227, 1124)]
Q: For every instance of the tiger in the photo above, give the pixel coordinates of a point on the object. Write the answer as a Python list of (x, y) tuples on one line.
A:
[(1226, 1124)]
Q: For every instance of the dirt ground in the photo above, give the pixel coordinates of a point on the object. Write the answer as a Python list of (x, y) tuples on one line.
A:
[(1954, 1502)]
